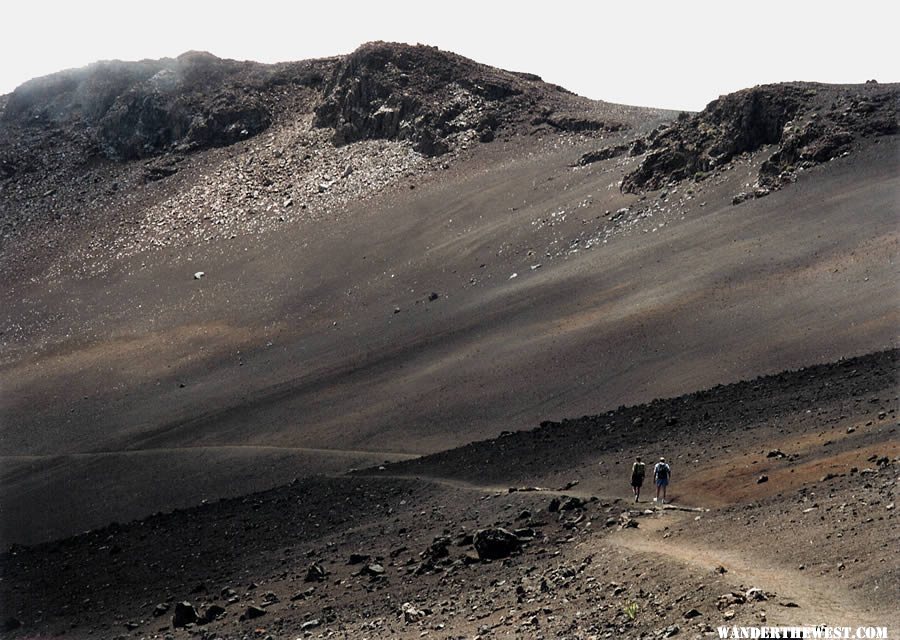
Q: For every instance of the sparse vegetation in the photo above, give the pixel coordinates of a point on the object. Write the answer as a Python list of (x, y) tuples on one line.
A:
[(631, 610)]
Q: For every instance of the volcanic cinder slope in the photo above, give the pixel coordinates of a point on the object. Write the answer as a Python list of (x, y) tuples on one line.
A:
[(220, 276), (312, 342)]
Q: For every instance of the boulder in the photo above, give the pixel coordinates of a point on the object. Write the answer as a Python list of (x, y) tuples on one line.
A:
[(756, 595), (464, 539), (212, 612), (303, 595), (253, 612), (496, 543), (525, 534), (185, 614), (670, 631), (374, 570), (315, 573), (438, 549), (728, 600), (410, 613), (572, 503)]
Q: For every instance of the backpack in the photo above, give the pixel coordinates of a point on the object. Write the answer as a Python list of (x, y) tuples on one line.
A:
[(638, 470), (662, 471)]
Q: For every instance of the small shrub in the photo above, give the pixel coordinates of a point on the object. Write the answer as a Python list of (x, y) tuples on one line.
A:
[(631, 610)]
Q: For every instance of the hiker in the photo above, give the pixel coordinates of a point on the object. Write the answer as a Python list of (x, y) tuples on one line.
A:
[(637, 478), (661, 474)]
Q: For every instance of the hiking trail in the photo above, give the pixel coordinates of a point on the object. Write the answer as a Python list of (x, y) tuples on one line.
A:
[(819, 601)]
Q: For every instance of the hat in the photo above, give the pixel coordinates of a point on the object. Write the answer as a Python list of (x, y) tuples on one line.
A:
[(662, 459)]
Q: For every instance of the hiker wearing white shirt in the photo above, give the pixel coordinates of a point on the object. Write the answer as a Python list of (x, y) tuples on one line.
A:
[(662, 472)]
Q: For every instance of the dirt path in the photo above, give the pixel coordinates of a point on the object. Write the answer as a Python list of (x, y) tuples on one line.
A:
[(820, 600), (473, 486), (224, 448)]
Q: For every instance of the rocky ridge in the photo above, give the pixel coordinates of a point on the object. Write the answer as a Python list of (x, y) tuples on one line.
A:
[(176, 152), (133, 110), (798, 125), (443, 99)]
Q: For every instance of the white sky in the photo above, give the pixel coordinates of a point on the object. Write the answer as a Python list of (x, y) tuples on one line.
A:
[(671, 54)]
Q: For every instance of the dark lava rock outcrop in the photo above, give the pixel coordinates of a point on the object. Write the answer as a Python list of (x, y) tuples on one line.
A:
[(142, 109), (119, 110), (602, 154), (128, 149), (433, 97), (807, 123)]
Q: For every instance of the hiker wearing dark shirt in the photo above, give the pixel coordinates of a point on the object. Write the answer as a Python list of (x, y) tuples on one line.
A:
[(661, 475), (637, 478)]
